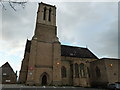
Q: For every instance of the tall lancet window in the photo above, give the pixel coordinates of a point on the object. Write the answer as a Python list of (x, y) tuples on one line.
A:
[(49, 18), (76, 71), (44, 14), (98, 74), (63, 72), (82, 70)]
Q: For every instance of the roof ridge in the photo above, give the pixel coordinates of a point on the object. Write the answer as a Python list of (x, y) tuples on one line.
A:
[(7, 63), (74, 46), (73, 51)]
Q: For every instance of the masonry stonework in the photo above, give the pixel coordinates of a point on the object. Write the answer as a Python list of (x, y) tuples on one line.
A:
[(47, 62)]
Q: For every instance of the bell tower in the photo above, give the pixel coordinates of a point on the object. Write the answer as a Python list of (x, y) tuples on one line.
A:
[(46, 23), (44, 66), (46, 14)]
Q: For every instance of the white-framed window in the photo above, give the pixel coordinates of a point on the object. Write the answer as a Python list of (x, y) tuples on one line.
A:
[(7, 80), (4, 74)]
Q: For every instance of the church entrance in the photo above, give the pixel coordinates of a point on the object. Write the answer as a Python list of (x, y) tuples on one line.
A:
[(44, 80)]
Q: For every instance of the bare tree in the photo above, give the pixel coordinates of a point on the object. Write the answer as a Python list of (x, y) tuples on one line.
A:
[(13, 3)]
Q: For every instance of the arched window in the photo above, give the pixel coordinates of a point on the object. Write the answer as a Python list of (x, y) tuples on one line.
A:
[(49, 18), (44, 14), (76, 71), (82, 70), (88, 71), (63, 72), (98, 74), (71, 70)]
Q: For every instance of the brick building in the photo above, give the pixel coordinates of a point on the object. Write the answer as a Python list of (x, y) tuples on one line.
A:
[(8, 75)]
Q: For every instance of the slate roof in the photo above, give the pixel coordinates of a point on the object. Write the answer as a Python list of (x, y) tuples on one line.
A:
[(70, 51), (7, 68), (110, 59), (79, 52), (28, 45), (6, 65)]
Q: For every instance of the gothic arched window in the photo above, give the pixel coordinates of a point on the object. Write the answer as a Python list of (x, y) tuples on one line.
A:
[(49, 18), (76, 71), (71, 70), (88, 71), (98, 74), (63, 72), (44, 14), (82, 70)]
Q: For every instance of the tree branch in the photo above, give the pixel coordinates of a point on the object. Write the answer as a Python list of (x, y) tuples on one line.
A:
[(2, 5), (11, 3), (12, 6)]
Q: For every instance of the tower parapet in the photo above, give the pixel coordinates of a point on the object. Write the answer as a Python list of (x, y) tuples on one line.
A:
[(46, 14)]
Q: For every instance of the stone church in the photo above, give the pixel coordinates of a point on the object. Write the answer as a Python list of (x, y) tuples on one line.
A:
[(47, 62)]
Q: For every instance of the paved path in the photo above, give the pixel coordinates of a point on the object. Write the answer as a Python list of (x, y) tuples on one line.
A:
[(23, 87)]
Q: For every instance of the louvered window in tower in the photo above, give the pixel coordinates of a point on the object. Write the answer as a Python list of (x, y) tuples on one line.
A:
[(49, 18), (44, 14)]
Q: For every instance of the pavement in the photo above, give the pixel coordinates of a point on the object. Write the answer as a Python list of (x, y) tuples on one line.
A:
[(23, 87)]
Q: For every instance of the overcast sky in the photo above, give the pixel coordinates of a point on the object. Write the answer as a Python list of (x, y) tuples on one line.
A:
[(91, 24)]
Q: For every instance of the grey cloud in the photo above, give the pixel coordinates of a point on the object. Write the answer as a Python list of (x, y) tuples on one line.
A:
[(91, 24), (18, 25), (78, 23)]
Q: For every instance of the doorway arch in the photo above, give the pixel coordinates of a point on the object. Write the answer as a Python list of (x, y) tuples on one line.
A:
[(44, 79)]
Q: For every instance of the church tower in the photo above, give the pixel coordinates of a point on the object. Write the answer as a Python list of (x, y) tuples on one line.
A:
[(44, 65)]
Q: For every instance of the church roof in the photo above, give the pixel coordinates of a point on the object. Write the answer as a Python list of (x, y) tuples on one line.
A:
[(109, 59), (28, 45), (70, 51), (79, 52)]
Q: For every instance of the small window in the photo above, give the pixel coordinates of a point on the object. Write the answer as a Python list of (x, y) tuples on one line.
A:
[(4, 74), (7, 80)]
